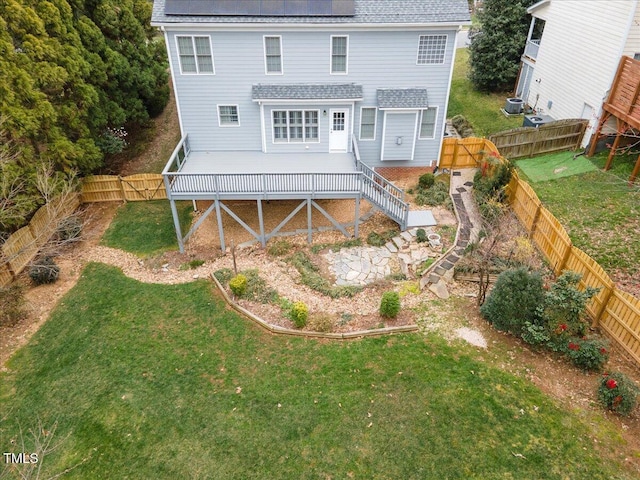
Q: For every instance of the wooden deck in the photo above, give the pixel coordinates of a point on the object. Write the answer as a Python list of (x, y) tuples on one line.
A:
[(242, 175)]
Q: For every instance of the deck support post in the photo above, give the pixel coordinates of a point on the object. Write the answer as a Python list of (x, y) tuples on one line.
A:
[(309, 222), (356, 221), (263, 240), (220, 227), (176, 224)]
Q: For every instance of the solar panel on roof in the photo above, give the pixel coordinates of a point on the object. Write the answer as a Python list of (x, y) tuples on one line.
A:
[(263, 8)]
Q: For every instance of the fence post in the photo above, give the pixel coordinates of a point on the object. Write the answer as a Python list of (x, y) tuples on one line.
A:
[(605, 301), (122, 191), (534, 222), (455, 154), (565, 258)]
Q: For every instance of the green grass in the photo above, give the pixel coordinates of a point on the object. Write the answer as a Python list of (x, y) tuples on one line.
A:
[(481, 109), (163, 381), (146, 228), (600, 211)]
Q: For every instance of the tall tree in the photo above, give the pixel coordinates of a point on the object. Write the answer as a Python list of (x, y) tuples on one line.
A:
[(495, 49), (73, 73)]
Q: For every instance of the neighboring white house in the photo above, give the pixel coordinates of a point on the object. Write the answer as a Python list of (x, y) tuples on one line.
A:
[(572, 54)]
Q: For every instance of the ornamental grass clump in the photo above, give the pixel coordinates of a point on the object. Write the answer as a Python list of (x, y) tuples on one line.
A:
[(299, 313), (618, 393), (238, 285), (390, 304)]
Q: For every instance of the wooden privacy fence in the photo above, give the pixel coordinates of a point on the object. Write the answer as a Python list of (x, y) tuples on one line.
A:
[(550, 137), (23, 245), (463, 153), (616, 312), (109, 188)]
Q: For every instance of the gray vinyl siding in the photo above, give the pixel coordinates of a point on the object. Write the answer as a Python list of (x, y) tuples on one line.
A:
[(399, 126), (376, 59)]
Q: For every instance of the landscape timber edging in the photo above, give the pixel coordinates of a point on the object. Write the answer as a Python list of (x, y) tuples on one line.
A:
[(275, 329)]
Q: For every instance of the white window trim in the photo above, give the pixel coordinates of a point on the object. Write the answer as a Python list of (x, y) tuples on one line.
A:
[(435, 124), (304, 139), (227, 125), (444, 55), (346, 71), (375, 125), (264, 47), (197, 72)]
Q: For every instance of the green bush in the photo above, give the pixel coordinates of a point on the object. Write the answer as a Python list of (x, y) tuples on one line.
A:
[(390, 304), (536, 335), (376, 239), (11, 305), (588, 354), (426, 180), (298, 314), (421, 235), (566, 305), (514, 301), (238, 285), (618, 393), (44, 271)]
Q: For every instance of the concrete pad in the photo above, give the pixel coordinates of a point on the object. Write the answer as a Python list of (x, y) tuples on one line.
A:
[(421, 218)]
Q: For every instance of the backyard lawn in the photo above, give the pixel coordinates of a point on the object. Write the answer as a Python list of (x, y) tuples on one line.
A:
[(157, 381), (600, 211), (481, 109)]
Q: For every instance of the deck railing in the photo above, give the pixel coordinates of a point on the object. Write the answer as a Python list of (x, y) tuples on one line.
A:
[(381, 191), (364, 181), (531, 49)]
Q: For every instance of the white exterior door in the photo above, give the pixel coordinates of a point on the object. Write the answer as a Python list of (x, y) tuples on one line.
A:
[(339, 130)]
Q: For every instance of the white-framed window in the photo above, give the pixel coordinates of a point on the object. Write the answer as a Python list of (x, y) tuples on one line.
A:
[(295, 126), (368, 117), (195, 54), (339, 54), (431, 49), (428, 123), (273, 55), (228, 116)]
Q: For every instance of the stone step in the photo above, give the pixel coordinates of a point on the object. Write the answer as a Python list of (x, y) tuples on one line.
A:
[(399, 241), (391, 247), (407, 236)]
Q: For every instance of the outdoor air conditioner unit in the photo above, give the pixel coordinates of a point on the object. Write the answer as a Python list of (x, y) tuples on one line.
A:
[(536, 120), (514, 106)]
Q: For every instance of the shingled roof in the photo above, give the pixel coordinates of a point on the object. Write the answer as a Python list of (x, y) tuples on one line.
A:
[(303, 91), (403, 98), (417, 12)]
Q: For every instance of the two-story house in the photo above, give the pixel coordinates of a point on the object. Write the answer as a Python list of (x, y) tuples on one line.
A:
[(307, 99), (572, 53)]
